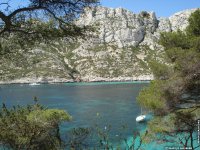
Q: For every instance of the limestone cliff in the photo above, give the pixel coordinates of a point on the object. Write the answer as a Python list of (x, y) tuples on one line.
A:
[(118, 50)]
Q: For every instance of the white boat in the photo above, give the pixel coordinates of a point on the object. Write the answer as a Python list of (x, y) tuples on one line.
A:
[(33, 84), (140, 118)]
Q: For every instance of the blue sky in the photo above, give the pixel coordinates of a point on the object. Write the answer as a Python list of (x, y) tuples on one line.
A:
[(163, 8)]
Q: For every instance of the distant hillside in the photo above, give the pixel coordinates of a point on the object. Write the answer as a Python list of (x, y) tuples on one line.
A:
[(119, 50)]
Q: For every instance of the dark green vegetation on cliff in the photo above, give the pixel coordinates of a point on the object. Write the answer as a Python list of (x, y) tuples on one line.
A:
[(174, 96)]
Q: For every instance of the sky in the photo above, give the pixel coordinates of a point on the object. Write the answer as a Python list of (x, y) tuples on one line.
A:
[(163, 8)]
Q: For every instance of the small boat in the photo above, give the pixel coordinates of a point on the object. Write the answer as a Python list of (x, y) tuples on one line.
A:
[(141, 117), (33, 84)]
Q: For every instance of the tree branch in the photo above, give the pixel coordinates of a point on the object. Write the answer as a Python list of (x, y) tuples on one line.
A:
[(63, 11), (2, 15), (3, 3), (24, 10)]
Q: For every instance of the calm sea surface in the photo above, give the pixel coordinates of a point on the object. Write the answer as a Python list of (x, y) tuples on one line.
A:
[(108, 105), (90, 104)]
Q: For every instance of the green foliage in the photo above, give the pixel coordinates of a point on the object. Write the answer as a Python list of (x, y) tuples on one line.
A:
[(174, 39), (34, 127), (158, 127), (60, 14), (161, 124), (181, 76), (44, 32), (194, 21), (48, 116), (77, 138), (152, 97), (160, 70), (174, 53), (31, 127)]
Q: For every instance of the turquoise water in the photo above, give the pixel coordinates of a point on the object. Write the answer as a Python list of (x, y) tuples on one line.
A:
[(89, 103), (104, 104)]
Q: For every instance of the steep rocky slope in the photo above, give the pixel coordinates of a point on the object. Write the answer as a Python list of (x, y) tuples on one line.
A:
[(119, 50)]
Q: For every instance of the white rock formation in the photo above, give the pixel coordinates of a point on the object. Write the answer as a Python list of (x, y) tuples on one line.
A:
[(119, 25), (124, 28), (180, 19)]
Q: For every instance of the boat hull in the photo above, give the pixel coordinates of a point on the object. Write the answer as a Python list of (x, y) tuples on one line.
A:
[(140, 118)]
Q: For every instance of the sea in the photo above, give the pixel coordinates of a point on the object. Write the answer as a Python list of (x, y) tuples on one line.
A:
[(110, 107)]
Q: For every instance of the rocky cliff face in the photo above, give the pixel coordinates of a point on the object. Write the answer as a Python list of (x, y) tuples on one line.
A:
[(124, 28), (119, 26), (119, 50)]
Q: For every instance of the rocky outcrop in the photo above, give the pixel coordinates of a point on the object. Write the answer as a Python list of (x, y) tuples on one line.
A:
[(124, 28), (180, 20), (118, 50), (120, 26)]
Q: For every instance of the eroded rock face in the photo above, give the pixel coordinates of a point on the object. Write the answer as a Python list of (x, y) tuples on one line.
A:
[(180, 19), (120, 26), (119, 50), (124, 28), (164, 25)]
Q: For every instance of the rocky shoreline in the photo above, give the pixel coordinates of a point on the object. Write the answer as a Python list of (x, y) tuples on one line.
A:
[(52, 80)]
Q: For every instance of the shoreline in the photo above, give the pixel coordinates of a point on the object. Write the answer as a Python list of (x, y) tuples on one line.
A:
[(91, 80)]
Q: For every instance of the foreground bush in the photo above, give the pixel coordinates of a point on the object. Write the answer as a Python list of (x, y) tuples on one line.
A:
[(31, 127)]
